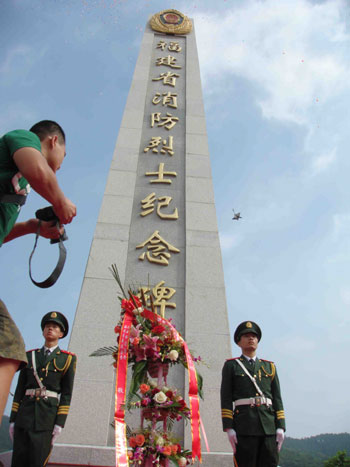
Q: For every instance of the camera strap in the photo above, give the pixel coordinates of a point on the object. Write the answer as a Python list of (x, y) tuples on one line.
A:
[(59, 266)]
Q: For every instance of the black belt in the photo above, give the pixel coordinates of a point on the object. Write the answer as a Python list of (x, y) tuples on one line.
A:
[(13, 198)]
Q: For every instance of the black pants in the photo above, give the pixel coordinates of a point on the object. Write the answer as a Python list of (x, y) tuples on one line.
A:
[(257, 451), (31, 448)]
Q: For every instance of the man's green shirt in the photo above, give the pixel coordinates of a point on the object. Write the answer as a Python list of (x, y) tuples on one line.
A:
[(11, 180)]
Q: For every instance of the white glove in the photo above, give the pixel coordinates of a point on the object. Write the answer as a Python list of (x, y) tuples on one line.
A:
[(279, 438), (232, 437), (56, 431), (12, 430)]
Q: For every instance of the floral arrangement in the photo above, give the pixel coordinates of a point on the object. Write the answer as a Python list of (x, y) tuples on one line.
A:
[(152, 345), (159, 403), (151, 341), (157, 448)]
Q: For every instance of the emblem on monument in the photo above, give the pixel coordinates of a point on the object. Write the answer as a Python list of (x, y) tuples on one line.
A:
[(171, 22)]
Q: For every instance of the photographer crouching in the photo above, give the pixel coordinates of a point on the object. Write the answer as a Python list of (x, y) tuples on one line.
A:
[(27, 159)]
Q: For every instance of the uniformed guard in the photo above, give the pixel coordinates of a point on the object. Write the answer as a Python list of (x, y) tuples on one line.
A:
[(42, 398), (251, 403)]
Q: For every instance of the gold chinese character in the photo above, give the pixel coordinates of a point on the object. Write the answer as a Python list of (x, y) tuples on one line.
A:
[(161, 174), (148, 204), (167, 61), (163, 201), (161, 295), (169, 99), (167, 122), (158, 249), (161, 45), (166, 148), (168, 78), (174, 47)]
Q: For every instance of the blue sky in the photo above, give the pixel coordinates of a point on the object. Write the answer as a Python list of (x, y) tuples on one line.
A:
[(276, 86)]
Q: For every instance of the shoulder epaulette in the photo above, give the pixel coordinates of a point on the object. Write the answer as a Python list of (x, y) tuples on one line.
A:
[(263, 360), (69, 353), (230, 359)]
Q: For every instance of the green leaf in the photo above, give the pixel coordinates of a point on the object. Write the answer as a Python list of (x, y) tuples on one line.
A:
[(200, 384), (139, 370), (115, 274), (170, 424), (103, 351)]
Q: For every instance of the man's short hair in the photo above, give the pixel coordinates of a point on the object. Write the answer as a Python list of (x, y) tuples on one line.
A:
[(47, 128)]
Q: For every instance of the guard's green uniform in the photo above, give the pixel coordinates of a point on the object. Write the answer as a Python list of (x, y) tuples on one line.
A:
[(253, 424), (254, 410), (35, 417)]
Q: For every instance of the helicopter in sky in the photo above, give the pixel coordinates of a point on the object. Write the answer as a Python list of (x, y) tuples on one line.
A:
[(236, 215)]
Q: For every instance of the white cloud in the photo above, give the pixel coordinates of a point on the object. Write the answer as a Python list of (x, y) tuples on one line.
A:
[(229, 241), (341, 226), (17, 115), (345, 295), (323, 162), (18, 62), (337, 331), (295, 345), (20, 52), (294, 51)]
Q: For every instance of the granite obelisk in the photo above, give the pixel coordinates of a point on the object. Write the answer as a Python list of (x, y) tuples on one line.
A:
[(158, 224)]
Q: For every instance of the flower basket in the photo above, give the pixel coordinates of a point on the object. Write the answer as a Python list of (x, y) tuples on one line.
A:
[(157, 369), (151, 462), (155, 414)]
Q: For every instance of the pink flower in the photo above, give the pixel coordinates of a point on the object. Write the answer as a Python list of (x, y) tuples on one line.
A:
[(135, 333), (145, 401), (139, 353), (151, 346)]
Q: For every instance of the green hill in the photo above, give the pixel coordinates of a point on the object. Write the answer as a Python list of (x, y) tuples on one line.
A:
[(313, 451)]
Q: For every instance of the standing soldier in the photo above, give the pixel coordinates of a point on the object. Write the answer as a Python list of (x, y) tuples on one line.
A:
[(42, 398), (251, 403)]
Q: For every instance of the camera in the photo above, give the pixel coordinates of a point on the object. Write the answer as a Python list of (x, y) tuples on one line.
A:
[(48, 214)]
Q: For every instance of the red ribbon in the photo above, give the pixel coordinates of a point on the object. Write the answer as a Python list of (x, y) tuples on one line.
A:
[(121, 453), (193, 385)]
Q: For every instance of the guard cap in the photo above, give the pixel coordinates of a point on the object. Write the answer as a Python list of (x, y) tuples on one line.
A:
[(58, 318), (244, 328)]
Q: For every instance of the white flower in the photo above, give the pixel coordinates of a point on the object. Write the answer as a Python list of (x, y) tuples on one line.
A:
[(165, 389), (152, 383), (138, 311), (173, 355), (160, 442), (160, 397), (182, 461)]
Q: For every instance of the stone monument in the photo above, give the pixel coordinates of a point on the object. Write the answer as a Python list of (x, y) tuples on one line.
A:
[(158, 224)]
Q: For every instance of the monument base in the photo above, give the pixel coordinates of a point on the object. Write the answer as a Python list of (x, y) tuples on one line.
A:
[(65, 455), (69, 455)]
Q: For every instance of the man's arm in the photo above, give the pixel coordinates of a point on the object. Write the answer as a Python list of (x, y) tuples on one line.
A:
[(226, 396), (47, 230), (277, 402), (19, 394), (34, 167), (66, 392)]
